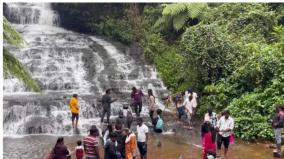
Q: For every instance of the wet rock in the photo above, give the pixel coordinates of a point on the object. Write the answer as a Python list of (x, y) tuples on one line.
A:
[(67, 86), (53, 86), (51, 67)]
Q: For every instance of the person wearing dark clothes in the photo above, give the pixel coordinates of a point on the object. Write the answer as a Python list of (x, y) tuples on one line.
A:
[(60, 150), (121, 119), (129, 119), (136, 96), (158, 126), (120, 139), (110, 128), (106, 102), (111, 147), (277, 125)]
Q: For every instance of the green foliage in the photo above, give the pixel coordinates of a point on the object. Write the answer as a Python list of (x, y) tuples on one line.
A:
[(118, 29), (11, 35), (11, 65), (252, 90), (177, 15), (232, 53), (212, 55)]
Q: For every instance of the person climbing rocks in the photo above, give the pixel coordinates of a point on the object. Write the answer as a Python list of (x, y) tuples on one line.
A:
[(74, 107), (136, 97), (158, 123), (91, 144), (142, 137), (131, 151), (106, 104), (208, 141), (151, 103), (277, 125), (225, 127)]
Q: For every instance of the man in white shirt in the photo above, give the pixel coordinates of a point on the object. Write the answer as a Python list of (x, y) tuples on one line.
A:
[(225, 126), (142, 137)]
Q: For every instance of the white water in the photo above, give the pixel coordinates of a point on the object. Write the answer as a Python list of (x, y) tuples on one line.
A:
[(58, 59)]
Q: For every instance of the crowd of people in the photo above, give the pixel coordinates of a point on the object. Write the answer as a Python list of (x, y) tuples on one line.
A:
[(122, 140)]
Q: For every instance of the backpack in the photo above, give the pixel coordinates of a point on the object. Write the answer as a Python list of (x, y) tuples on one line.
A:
[(159, 124)]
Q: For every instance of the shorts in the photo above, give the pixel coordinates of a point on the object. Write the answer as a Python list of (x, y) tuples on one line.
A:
[(159, 131), (75, 115), (142, 148), (277, 133), (224, 140)]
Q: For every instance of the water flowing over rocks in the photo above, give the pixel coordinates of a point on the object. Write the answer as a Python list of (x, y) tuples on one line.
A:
[(65, 62)]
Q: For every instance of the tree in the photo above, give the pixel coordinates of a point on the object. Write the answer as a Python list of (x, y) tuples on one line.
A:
[(175, 16), (12, 66)]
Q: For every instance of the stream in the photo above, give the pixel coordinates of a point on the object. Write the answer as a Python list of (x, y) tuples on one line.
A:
[(64, 62)]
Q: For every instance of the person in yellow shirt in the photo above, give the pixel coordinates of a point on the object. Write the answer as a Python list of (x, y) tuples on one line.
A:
[(74, 107)]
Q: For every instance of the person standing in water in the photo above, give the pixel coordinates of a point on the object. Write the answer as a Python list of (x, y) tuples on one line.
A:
[(142, 137), (158, 123), (60, 150), (211, 117), (277, 125), (136, 96), (74, 107), (151, 103), (106, 104), (194, 99), (188, 108), (91, 144), (208, 140), (111, 151), (225, 126), (130, 144)]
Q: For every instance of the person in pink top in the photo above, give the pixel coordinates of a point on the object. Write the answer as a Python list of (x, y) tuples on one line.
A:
[(208, 140)]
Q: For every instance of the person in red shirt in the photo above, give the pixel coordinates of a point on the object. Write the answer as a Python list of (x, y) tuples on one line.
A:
[(208, 140), (79, 150)]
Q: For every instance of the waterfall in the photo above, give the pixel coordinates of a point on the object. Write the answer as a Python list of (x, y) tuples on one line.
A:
[(64, 62)]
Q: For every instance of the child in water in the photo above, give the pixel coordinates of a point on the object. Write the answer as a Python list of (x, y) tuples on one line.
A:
[(79, 150)]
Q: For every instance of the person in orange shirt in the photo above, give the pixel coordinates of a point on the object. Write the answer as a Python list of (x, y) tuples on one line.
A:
[(130, 144), (74, 107)]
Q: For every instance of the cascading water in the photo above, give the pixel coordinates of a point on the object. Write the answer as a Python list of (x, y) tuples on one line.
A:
[(64, 62)]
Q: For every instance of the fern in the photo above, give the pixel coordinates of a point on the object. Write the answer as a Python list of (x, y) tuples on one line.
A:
[(11, 35), (11, 65), (196, 9), (179, 21), (178, 14)]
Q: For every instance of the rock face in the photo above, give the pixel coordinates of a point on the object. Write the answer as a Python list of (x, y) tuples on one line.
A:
[(63, 63)]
